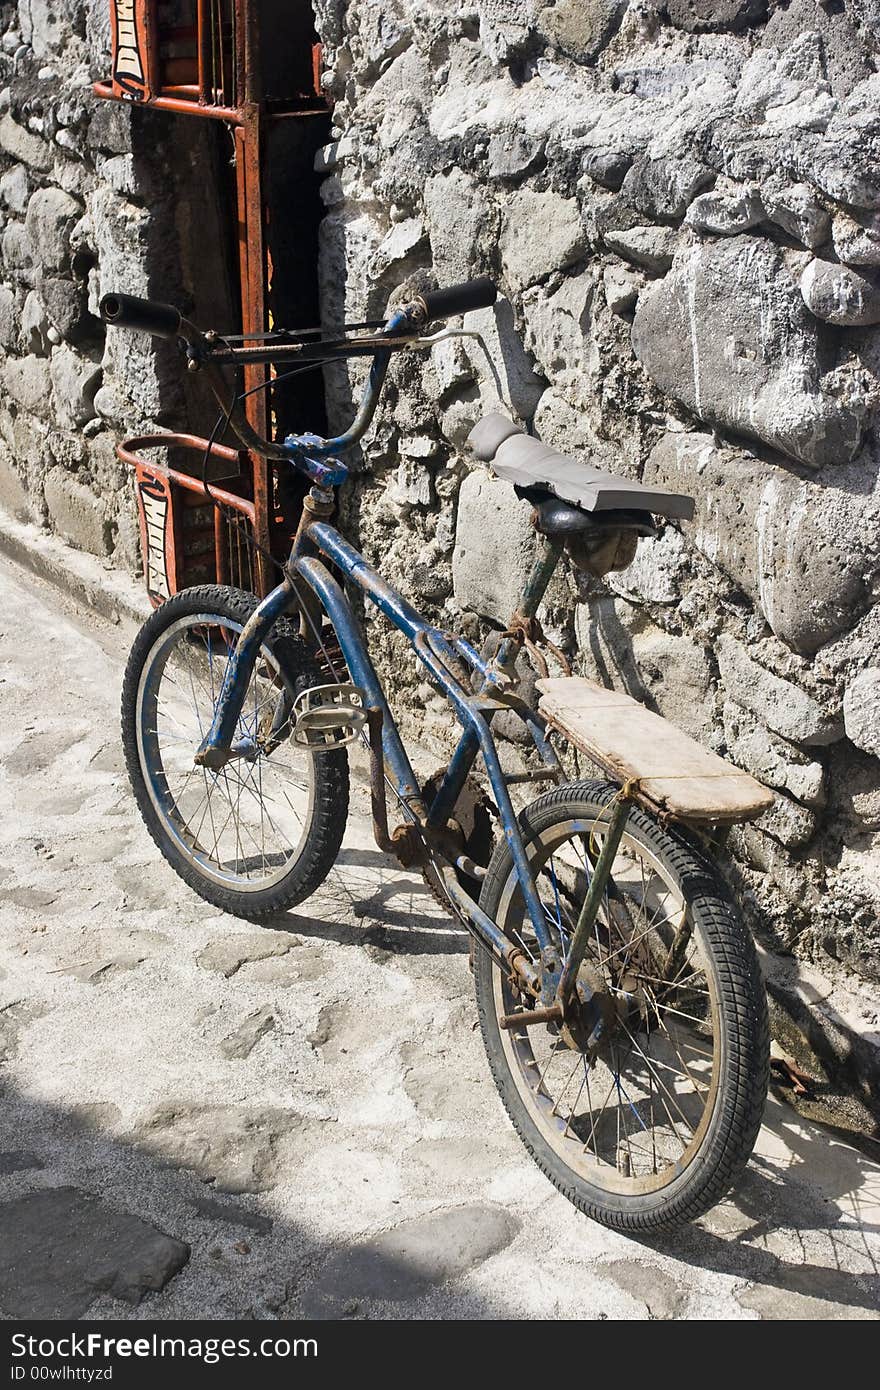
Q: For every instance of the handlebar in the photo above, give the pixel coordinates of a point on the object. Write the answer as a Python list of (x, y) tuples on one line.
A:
[(143, 315), (458, 299), (208, 352)]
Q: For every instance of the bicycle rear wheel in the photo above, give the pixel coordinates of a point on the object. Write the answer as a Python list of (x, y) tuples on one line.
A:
[(262, 833), (648, 1128)]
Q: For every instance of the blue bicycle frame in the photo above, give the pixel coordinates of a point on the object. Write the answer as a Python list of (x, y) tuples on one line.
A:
[(451, 662)]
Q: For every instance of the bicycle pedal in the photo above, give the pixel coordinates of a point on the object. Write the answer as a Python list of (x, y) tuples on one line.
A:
[(328, 716)]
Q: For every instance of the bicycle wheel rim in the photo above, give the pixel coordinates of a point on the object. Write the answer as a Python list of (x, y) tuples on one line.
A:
[(549, 1111), (245, 788)]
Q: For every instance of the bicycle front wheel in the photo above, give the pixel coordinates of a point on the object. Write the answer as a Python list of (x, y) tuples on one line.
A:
[(262, 833), (647, 1127)]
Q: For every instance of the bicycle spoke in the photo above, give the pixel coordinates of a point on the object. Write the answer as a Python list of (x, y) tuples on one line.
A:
[(247, 820)]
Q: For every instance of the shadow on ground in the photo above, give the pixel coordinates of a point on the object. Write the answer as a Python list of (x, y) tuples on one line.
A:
[(99, 1225)]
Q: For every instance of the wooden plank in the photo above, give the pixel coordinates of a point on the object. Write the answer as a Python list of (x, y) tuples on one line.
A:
[(675, 773)]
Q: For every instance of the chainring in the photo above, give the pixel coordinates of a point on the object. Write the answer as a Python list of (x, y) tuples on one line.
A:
[(471, 826)]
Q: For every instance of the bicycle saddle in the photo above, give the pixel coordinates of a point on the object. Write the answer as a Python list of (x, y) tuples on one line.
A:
[(553, 517), (518, 457)]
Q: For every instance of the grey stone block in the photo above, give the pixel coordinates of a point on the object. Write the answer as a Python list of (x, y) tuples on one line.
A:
[(13, 493), (242, 1041), (513, 154), (845, 161), (656, 573), (607, 167), (856, 236), (652, 248), (787, 822), (799, 550), (494, 547), (8, 318), (61, 1248), (838, 294), (558, 334), (845, 50), (64, 305), (621, 648), (236, 1148), (508, 376), (34, 325), (459, 222), (776, 763), (21, 145), (15, 188), (402, 1263), (49, 26), (27, 381), (581, 29), (540, 233), (783, 706), (708, 16), (795, 208), (664, 186), (75, 380), (725, 212), (16, 249), (110, 128), (727, 334), (621, 288), (76, 513), (861, 710), (49, 221)]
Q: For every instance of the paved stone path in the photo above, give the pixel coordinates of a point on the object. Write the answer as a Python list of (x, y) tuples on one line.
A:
[(204, 1118)]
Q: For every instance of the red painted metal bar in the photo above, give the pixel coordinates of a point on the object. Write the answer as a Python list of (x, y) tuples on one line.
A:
[(128, 451), (177, 558), (214, 70), (203, 38), (180, 105)]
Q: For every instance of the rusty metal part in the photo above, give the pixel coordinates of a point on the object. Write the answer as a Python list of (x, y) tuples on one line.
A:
[(407, 844), (378, 800), (530, 1017), (526, 631), (405, 841), (216, 73), (319, 504), (466, 835), (176, 533), (540, 774)]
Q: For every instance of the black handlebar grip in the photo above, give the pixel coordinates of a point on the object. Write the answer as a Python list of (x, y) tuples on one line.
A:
[(459, 299), (143, 315)]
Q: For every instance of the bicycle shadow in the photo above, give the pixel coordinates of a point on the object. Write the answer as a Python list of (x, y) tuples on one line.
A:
[(799, 1197), (388, 905)]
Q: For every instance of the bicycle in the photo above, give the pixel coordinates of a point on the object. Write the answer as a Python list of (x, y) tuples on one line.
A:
[(618, 990)]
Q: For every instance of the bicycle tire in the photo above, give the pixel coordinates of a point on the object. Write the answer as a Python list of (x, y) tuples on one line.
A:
[(743, 1050), (204, 608)]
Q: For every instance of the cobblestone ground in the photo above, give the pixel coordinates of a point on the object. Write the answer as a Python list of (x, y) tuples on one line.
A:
[(201, 1118)]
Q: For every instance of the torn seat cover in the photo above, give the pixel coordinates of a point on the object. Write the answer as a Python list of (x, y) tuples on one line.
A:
[(526, 462)]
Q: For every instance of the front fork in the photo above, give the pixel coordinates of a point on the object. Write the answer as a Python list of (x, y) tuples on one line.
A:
[(217, 747)]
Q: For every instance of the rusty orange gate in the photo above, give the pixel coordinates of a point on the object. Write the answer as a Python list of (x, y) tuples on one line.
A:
[(252, 64)]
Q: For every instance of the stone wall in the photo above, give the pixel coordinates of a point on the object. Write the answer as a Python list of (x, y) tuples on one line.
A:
[(681, 205), (92, 197)]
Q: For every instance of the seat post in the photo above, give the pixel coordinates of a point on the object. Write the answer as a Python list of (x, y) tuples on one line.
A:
[(535, 588)]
